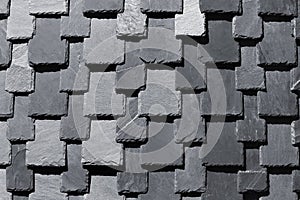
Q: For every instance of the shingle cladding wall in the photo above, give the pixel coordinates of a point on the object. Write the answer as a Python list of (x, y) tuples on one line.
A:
[(149, 100)]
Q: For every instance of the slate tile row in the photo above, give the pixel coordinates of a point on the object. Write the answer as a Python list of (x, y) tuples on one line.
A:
[(73, 128)]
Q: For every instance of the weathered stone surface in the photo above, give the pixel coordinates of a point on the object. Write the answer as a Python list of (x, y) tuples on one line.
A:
[(75, 25), (191, 198), (103, 6), (252, 160), (161, 187), (103, 187), (251, 128), (282, 52), (128, 183), (215, 184), (18, 177), (279, 152), (46, 150), (277, 7), (131, 127), (160, 50), (295, 132), (5, 46), (20, 23), (133, 160), (278, 101), (191, 21), (19, 76), (4, 7), (193, 177), (76, 77), (161, 149), (132, 22), (221, 97), (191, 126), (71, 197), (5, 148), (46, 99), (252, 181), (295, 75), (160, 97), (173, 6), (130, 79), (249, 76), (226, 151), (75, 126), (20, 197), (103, 36), (48, 7), (46, 47), (101, 99), (76, 178), (220, 6), (296, 181), (131, 75), (20, 127), (47, 187), (4, 194), (192, 76), (6, 99), (222, 48), (277, 192), (248, 25), (101, 148)]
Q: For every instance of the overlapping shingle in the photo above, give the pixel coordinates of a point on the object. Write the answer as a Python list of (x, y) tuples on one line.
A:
[(132, 22), (101, 148), (161, 149), (278, 101), (75, 25), (103, 35), (249, 25), (51, 7), (114, 100), (279, 152), (46, 100), (46, 150), (20, 23), (18, 177), (19, 76), (20, 127), (282, 52), (46, 46), (172, 6), (191, 21)]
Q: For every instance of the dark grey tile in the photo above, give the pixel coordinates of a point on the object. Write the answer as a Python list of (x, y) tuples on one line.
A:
[(18, 177), (46, 47), (46, 100)]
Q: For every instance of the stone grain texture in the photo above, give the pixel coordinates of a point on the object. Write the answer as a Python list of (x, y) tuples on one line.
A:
[(46, 47), (46, 150), (52, 7), (20, 23), (149, 99), (19, 76)]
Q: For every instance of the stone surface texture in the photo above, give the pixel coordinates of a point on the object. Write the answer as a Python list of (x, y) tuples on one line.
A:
[(149, 99)]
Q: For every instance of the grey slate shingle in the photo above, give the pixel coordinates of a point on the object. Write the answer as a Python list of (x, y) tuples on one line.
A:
[(249, 25), (46, 100), (18, 177), (220, 6), (174, 6), (20, 127), (46, 47), (75, 25), (76, 178)]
